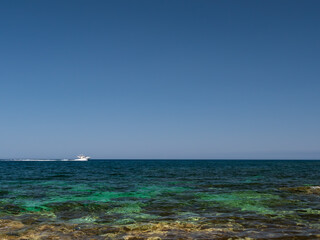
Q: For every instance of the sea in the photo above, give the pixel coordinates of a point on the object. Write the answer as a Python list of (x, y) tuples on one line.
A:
[(160, 199)]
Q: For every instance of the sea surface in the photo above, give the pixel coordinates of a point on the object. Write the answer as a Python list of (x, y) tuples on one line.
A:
[(160, 199)]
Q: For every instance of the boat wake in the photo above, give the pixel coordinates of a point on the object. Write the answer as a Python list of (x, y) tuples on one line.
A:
[(81, 157), (36, 160)]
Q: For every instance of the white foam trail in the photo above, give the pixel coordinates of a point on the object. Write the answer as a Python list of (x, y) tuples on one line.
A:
[(34, 160), (39, 160)]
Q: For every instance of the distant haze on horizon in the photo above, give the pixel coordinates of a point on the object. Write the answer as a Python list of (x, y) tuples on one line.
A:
[(160, 79)]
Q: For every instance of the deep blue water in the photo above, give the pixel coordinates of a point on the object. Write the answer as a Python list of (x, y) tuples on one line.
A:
[(258, 198)]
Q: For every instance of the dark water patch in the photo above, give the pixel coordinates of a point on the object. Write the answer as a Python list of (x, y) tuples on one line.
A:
[(38, 179), (61, 176), (75, 210), (6, 208), (3, 193)]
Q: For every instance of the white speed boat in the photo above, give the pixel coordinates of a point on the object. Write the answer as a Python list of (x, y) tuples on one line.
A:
[(82, 157)]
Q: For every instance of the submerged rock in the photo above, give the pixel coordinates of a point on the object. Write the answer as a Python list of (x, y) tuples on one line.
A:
[(303, 189), (10, 225), (15, 230)]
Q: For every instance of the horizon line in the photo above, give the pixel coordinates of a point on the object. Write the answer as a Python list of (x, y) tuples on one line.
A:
[(174, 159)]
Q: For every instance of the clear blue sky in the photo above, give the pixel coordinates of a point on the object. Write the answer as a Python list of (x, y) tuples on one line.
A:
[(160, 79)]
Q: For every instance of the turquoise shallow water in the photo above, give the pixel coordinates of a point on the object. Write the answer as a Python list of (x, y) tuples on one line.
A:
[(249, 198)]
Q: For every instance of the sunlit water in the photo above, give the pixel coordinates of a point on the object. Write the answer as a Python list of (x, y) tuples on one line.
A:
[(246, 198)]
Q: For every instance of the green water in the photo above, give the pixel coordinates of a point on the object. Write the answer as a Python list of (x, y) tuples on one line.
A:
[(253, 198)]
